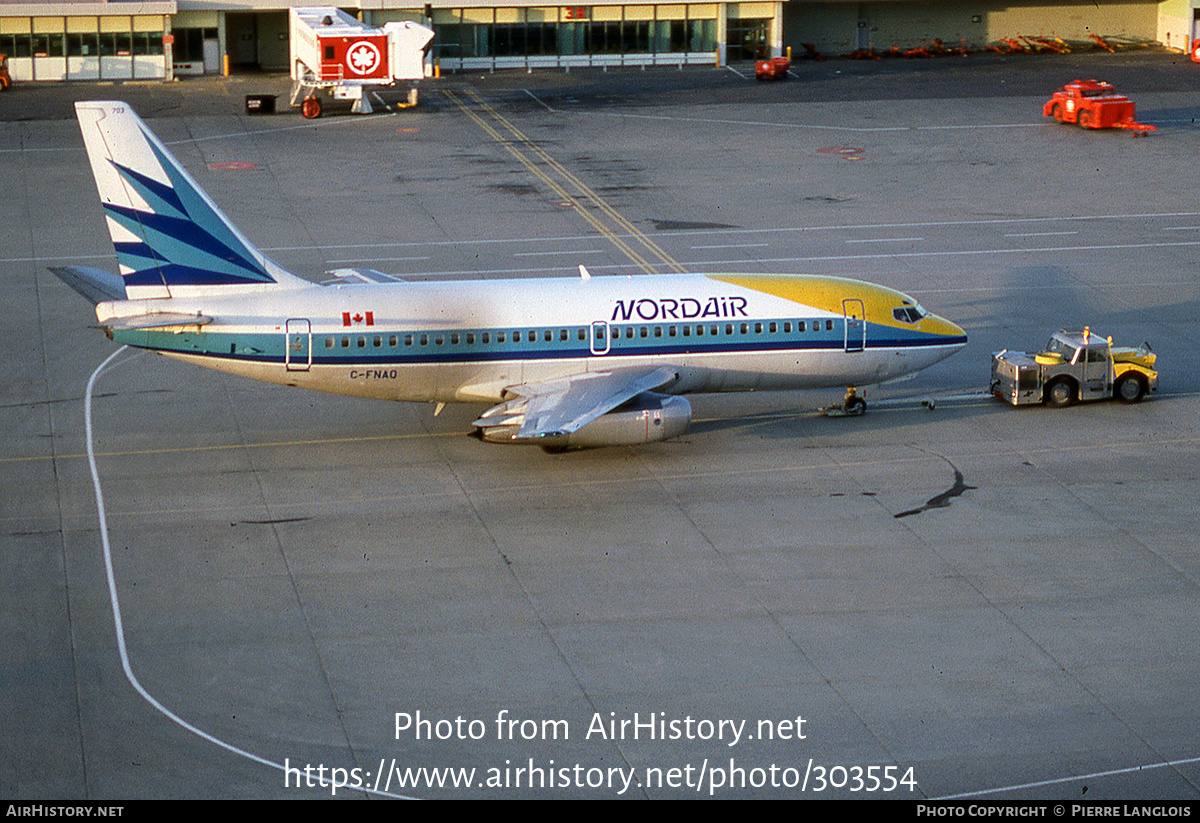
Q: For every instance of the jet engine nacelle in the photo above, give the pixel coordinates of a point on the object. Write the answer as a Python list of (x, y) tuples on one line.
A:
[(644, 419)]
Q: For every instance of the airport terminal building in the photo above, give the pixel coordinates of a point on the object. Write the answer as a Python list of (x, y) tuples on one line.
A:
[(123, 39)]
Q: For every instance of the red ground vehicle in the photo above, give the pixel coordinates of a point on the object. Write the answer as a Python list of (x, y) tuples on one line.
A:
[(775, 68), (1094, 104), (5, 77)]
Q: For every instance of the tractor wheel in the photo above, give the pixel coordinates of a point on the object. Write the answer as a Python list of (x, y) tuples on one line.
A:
[(1129, 388), (311, 107), (1059, 393), (1085, 119), (1057, 113)]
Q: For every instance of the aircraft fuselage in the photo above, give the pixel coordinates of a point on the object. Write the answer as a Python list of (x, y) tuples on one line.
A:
[(469, 340)]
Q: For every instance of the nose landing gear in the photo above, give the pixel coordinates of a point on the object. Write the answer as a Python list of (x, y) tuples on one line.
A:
[(852, 406)]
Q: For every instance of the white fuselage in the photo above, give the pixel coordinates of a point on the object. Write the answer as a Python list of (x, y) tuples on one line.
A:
[(472, 340)]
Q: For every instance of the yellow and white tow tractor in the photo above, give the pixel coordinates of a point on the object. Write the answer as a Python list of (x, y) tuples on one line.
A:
[(1075, 366)]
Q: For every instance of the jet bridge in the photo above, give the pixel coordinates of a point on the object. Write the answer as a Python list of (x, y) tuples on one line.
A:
[(337, 55)]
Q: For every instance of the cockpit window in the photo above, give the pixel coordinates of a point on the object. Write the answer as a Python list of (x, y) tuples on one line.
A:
[(909, 312)]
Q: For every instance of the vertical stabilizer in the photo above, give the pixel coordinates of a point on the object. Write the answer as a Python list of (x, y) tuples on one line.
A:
[(171, 239)]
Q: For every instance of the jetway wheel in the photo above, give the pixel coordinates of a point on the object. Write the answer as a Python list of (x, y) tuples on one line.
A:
[(311, 107)]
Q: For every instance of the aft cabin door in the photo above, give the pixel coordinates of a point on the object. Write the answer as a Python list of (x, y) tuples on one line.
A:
[(856, 324), (297, 349)]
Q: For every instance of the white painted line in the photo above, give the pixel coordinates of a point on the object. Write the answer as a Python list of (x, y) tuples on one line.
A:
[(734, 246), (539, 100), (119, 625), (963, 253), (378, 259), (731, 68), (886, 240), (1181, 228), (1043, 234), (564, 253), (734, 231)]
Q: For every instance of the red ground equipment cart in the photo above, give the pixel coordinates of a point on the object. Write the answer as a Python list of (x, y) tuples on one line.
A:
[(1094, 104), (776, 68)]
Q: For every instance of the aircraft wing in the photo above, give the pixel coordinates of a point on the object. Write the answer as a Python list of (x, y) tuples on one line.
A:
[(564, 406)]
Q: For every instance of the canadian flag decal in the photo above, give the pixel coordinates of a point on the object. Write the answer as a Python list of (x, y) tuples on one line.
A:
[(357, 318)]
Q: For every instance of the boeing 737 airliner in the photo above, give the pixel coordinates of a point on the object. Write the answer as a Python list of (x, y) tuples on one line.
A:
[(566, 362)]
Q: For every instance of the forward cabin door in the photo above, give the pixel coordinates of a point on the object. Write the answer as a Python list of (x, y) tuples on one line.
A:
[(855, 319)]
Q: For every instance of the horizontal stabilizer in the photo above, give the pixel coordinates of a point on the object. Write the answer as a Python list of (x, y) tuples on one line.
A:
[(155, 320), (97, 285)]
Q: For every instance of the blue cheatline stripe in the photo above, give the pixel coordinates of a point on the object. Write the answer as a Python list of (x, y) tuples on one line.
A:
[(269, 347)]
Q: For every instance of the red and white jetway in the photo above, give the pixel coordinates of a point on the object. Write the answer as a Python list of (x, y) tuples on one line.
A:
[(335, 53)]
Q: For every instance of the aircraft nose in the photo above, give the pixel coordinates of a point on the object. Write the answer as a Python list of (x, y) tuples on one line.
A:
[(954, 333)]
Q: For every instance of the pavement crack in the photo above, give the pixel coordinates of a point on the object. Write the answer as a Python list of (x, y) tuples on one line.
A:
[(942, 500)]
